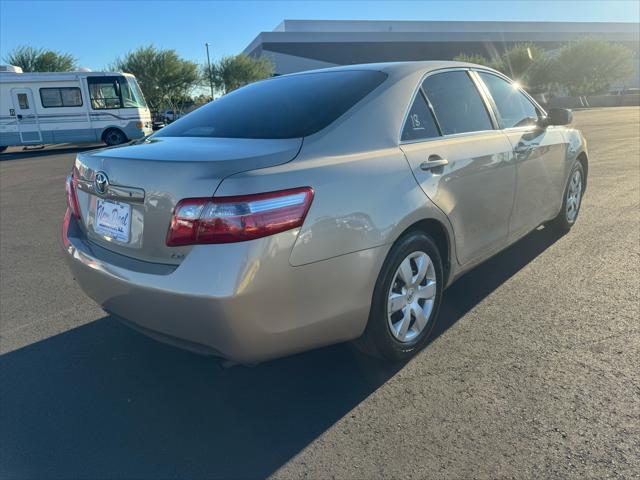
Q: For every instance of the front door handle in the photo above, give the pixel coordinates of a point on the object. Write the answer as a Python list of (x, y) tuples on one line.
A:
[(434, 161), (520, 149)]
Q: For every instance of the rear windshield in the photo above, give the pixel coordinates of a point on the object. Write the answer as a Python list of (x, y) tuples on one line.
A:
[(283, 107)]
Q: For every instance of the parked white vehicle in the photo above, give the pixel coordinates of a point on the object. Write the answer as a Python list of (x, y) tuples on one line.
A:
[(70, 107), (169, 116)]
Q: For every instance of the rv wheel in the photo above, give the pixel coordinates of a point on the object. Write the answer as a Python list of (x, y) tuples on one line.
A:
[(113, 136)]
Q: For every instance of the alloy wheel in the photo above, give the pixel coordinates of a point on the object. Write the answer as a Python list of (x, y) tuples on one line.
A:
[(574, 196), (411, 297)]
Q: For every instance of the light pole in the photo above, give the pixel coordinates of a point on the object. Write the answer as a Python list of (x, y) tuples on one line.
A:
[(209, 64)]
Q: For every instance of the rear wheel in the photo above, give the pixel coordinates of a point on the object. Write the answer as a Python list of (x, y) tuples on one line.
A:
[(114, 136), (571, 201), (2, 149), (406, 299)]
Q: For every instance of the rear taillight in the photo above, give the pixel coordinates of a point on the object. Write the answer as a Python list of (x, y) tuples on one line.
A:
[(72, 196), (236, 219)]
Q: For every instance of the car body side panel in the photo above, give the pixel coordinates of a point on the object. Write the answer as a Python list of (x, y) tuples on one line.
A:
[(576, 143), (541, 171), (361, 201), (576, 146), (475, 189)]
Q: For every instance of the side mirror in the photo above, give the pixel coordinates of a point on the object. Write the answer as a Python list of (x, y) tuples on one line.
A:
[(559, 116)]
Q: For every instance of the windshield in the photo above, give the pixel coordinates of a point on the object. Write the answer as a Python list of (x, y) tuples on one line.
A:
[(131, 94), (283, 107)]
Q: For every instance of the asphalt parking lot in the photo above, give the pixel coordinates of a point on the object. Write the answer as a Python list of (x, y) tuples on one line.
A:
[(533, 371)]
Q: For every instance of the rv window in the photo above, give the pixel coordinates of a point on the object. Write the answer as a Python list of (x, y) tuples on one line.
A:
[(105, 92), (115, 92), (61, 97), (131, 95), (71, 97), (23, 101)]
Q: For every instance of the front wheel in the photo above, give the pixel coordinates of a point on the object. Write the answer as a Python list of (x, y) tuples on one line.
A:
[(406, 299), (572, 200)]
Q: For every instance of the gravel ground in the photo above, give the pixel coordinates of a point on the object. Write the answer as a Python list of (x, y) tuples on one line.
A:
[(533, 372)]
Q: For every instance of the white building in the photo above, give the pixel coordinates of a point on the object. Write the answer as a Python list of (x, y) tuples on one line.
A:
[(297, 45)]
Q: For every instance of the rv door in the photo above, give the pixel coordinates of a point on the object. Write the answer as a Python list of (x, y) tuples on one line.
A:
[(26, 117)]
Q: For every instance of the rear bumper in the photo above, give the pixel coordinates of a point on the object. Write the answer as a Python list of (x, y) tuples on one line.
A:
[(242, 301)]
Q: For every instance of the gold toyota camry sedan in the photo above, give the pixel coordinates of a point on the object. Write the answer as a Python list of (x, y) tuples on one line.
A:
[(319, 207)]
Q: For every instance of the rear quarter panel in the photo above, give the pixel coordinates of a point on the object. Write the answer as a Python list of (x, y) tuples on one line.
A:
[(362, 200)]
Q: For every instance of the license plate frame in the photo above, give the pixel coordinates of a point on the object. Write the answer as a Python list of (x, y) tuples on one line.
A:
[(112, 220)]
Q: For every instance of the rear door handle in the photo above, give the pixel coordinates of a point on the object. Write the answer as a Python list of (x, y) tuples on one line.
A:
[(434, 161)]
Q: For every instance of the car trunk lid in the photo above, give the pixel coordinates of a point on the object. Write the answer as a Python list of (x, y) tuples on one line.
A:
[(145, 180)]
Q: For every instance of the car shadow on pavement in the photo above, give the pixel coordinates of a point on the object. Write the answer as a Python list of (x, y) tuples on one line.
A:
[(104, 401)]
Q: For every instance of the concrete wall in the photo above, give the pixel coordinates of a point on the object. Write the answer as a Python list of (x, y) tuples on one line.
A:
[(593, 101)]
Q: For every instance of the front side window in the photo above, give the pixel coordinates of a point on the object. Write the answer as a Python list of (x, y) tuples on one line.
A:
[(457, 103), (61, 97), (290, 106), (23, 101), (420, 124), (104, 92), (131, 94), (514, 108)]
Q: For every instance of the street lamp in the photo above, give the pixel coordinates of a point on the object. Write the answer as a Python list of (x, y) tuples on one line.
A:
[(209, 64)]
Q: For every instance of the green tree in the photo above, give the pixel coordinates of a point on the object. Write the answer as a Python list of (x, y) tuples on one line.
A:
[(528, 64), (233, 72), (588, 66), (32, 59), (524, 62), (520, 60), (201, 99), (164, 77)]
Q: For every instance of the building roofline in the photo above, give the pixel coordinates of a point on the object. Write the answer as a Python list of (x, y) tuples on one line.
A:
[(301, 25), (367, 31)]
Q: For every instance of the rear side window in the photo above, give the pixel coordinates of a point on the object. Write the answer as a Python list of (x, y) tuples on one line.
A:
[(61, 97), (420, 124), (457, 103), (283, 107), (514, 108)]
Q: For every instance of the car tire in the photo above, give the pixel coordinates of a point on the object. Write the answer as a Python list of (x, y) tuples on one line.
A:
[(113, 137), (3, 148), (571, 201), (382, 334)]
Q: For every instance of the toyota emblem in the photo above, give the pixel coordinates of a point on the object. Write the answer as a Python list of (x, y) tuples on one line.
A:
[(101, 183)]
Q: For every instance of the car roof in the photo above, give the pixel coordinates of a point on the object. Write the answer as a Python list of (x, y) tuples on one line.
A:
[(400, 69)]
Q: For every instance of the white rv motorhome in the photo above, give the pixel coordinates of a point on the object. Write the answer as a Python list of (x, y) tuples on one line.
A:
[(70, 107)]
